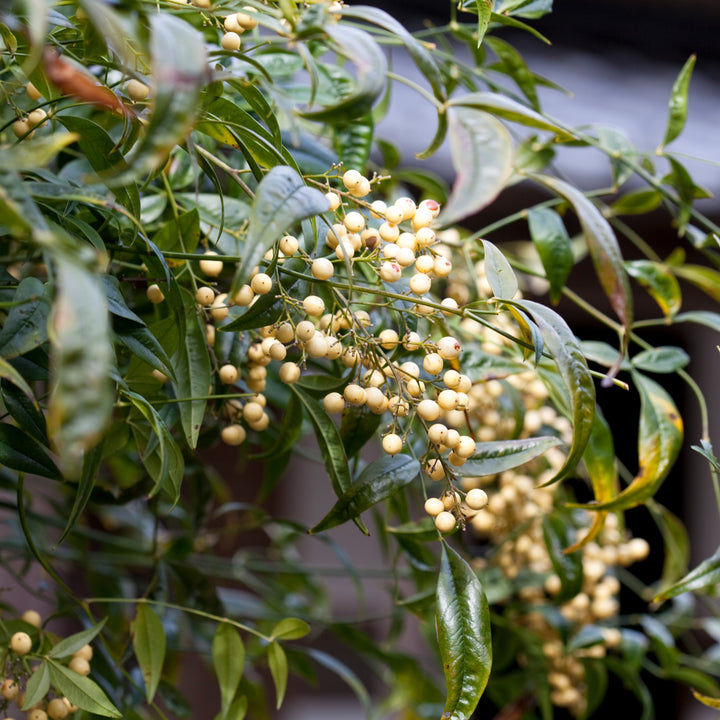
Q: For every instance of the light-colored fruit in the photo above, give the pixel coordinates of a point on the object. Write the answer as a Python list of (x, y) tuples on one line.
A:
[(231, 41), (322, 269), (261, 284), (289, 373), (304, 330), (85, 652), (79, 665), (448, 347), (20, 643), (21, 128), (434, 506), (433, 363), (351, 179), (228, 374), (37, 118), (57, 709), (354, 394), (9, 689), (211, 268), (233, 435), (437, 434), (32, 92), (32, 617), (204, 296), (314, 305), (137, 90), (37, 714), (476, 499), (246, 18), (428, 410), (445, 521), (354, 222), (334, 402), (289, 245), (392, 444)]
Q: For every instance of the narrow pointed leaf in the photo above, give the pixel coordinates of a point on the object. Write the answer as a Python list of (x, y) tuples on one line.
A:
[(677, 111), (23, 453), (701, 317), (281, 200), (21, 404), (666, 359), (149, 646), (26, 325), (142, 343), (558, 535), (659, 282), (37, 686), (499, 273), (463, 626), (81, 691), (619, 150), (228, 653), (677, 545), (552, 243), (706, 574), (290, 629), (277, 661), (705, 700), (378, 481), (484, 12), (344, 673), (499, 455), (482, 155), (71, 644), (573, 368)]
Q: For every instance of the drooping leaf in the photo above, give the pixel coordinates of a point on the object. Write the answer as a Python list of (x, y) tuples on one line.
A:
[(705, 700), (666, 359), (228, 653), (26, 325), (677, 111), (705, 575), (702, 317), (357, 427), (281, 200), (512, 64), (481, 150), (376, 482), (72, 643), (23, 453), (149, 645), (499, 273), (573, 368), (290, 629), (497, 456), (559, 536), (620, 150), (552, 243), (677, 545), (142, 343), (37, 686), (277, 661), (705, 278), (659, 281), (20, 403), (38, 153), (81, 691), (462, 618)]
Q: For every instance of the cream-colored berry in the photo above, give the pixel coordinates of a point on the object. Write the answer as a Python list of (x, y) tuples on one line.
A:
[(37, 118), (354, 222), (314, 305), (32, 617), (252, 412), (21, 129), (425, 237), (388, 339), (354, 394), (261, 284), (412, 341), (334, 348), (57, 709), (415, 387), (445, 521), (428, 410), (449, 347), (211, 268), (79, 665), (433, 363), (447, 399), (85, 652), (285, 333), (333, 200), (219, 309), (231, 41), (322, 269), (424, 264), (442, 266), (394, 215), (389, 232), (9, 689), (465, 447), (434, 506), (20, 643), (453, 438), (390, 250), (407, 240), (233, 435), (244, 296), (228, 374), (437, 434), (289, 373), (289, 245), (137, 90), (154, 294), (304, 330), (392, 444), (334, 402), (455, 459), (422, 218), (277, 350), (32, 92), (398, 406), (452, 379), (37, 714), (476, 499), (405, 257), (232, 25), (376, 400), (351, 179), (204, 296), (316, 346), (246, 19), (361, 189), (434, 470), (390, 271)]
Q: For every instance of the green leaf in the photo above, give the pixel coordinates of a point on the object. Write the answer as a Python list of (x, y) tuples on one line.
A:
[(574, 370), (358, 425), (620, 150), (702, 317), (149, 646), (657, 279), (559, 536), (481, 150), (277, 661), (353, 141), (81, 691), (281, 200), (141, 342), (378, 481), (552, 243), (26, 325), (603, 246), (508, 109), (72, 643), (499, 455), (236, 711), (705, 575), (37, 686), (82, 395), (677, 111), (484, 13), (512, 64), (179, 235), (23, 453), (659, 442), (228, 653), (462, 618), (35, 154), (290, 629), (637, 202), (677, 545), (666, 359), (20, 403), (367, 56), (193, 372), (707, 279), (499, 273)]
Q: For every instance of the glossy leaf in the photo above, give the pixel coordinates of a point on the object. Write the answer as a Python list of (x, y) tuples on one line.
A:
[(603, 246), (277, 661), (191, 364), (481, 150), (179, 235), (659, 442), (228, 653), (344, 673), (23, 453), (707, 279), (353, 141), (26, 325), (620, 150), (290, 629), (677, 545), (37, 686), (660, 283), (281, 200), (72, 643), (573, 368), (149, 646), (376, 482), (637, 202), (705, 700), (552, 243), (499, 273), (705, 575), (364, 52), (142, 343), (513, 65), (484, 13), (358, 426), (497, 456), (568, 566), (666, 359), (81, 691), (20, 403), (701, 317), (677, 111), (38, 153), (462, 619)]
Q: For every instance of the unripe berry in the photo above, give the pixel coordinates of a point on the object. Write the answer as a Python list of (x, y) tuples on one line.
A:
[(322, 269), (304, 330), (204, 296), (455, 459), (261, 284), (392, 444), (453, 438), (233, 435), (137, 90), (20, 643), (231, 41), (415, 387), (211, 268), (289, 373), (79, 665), (476, 499), (334, 402), (434, 506), (407, 240), (289, 245), (445, 521), (32, 617), (390, 250)]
